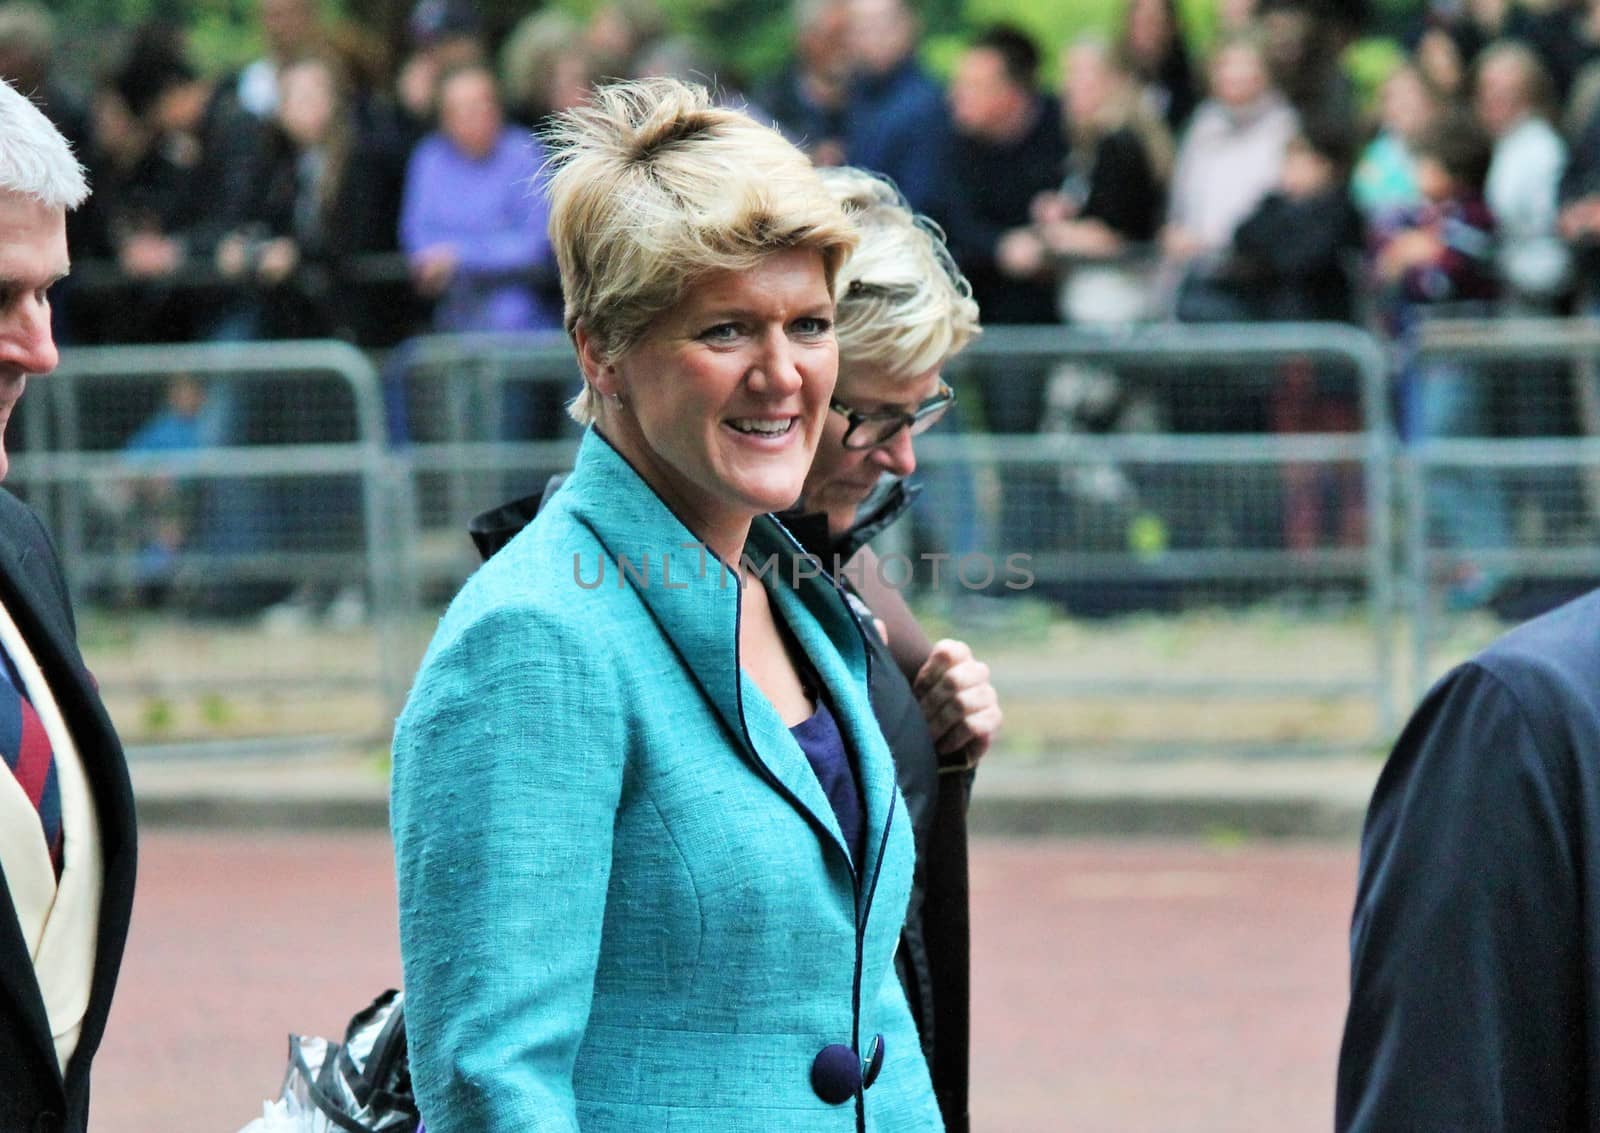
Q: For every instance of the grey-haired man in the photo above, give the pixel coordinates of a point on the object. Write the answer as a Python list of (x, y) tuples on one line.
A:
[(66, 808)]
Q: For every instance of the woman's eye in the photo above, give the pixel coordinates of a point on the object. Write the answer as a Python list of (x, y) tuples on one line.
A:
[(722, 332), (812, 326)]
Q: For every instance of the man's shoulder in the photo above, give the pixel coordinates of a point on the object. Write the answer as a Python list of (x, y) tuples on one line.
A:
[(30, 552), (1562, 645), (907, 90), (1545, 673), (19, 523), (920, 91)]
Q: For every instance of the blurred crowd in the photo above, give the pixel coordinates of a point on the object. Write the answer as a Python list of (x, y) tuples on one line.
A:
[(329, 189), (1252, 184)]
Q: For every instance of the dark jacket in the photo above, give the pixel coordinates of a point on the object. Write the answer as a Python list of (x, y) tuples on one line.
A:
[(991, 191), (803, 121), (332, 228), (1292, 259), (915, 759), (33, 1095), (146, 196), (1473, 980), (1124, 192), (895, 124), (190, 190)]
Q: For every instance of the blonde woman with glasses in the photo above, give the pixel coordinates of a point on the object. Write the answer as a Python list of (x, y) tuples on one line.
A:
[(904, 311)]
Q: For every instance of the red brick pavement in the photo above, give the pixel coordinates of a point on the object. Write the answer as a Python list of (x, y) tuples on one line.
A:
[(1120, 987)]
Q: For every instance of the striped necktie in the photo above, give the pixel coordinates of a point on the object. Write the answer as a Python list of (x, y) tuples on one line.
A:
[(26, 750)]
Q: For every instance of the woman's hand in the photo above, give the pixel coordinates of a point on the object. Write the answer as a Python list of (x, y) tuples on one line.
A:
[(433, 268), (1087, 239), (278, 260), (958, 701), (1180, 245), (1020, 254), (233, 255), (1052, 208)]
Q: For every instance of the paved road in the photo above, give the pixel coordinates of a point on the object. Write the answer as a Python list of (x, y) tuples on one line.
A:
[(1120, 987)]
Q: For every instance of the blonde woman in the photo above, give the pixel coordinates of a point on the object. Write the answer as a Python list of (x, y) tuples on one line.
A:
[(904, 310), (1113, 194), (652, 861)]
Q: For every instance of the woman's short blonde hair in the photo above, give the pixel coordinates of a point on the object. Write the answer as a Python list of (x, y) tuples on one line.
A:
[(904, 307), (651, 186)]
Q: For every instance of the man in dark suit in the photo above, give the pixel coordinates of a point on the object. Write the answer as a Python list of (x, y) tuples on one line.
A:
[(1474, 980), (66, 808)]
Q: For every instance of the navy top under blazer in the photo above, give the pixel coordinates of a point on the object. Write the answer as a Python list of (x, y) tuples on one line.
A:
[(625, 902), (1475, 947)]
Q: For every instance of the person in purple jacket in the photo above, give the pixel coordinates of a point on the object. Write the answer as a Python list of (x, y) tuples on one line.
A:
[(470, 222)]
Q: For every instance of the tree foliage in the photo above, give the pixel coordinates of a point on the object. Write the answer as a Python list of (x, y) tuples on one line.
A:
[(749, 37)]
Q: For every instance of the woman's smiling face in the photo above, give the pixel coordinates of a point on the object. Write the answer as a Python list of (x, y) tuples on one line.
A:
[(721, 406)]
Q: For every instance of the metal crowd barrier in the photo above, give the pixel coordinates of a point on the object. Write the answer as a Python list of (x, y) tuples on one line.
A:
[(1176, 551), (1176, 501), (480, 419), (1194, 502), (212, 483), (1503, 506)]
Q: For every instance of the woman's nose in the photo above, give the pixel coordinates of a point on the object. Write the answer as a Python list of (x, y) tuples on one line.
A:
[(897, 455), (777, 370)]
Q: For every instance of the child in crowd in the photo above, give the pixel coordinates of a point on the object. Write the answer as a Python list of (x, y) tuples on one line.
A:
[(1385, 177), (1290, 257), (1293, 260), (1437, 261), (1437, 258)]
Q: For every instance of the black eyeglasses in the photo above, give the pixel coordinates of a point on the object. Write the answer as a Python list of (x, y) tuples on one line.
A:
[(870, 430)]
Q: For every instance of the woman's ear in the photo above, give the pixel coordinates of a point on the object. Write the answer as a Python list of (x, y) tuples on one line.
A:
[(599, 373)]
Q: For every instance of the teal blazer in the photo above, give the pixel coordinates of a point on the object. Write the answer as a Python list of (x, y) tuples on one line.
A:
[(625, 903)]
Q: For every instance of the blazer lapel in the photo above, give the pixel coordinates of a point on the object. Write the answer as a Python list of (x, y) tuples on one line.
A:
[(16, 961), (695, 599), (105, 768)]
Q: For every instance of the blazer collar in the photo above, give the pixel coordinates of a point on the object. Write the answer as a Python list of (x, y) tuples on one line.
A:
[(881, 509), (695, 599)]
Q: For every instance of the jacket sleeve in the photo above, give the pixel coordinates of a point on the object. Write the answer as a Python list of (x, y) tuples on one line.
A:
[(506, 786), (1465, 980)]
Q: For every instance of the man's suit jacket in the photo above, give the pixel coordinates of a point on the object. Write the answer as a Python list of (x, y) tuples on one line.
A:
[(1475, 944), (33, 1093)]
